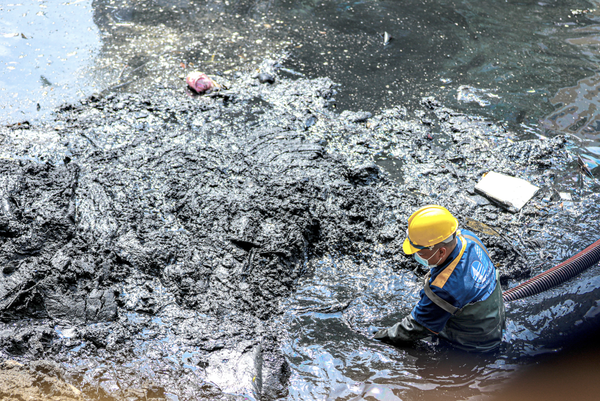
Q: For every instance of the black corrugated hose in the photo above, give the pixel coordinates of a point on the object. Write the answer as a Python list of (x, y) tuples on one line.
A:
[(556, 275)]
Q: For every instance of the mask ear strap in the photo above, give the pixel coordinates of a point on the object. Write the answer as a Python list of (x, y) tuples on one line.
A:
[(440, 259)]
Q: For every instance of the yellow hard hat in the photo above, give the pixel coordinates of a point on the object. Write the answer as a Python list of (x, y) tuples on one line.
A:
[(428, 226)]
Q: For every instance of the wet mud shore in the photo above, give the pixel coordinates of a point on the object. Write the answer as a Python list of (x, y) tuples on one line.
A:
[(148, 239)]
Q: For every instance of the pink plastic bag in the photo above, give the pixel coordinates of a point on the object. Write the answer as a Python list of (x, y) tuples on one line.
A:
[(199, 82)]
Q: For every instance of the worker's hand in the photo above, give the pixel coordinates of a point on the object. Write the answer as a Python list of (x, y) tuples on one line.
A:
[(381, 335)]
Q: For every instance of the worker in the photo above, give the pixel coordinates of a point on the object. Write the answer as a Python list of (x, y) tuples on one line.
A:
[(461, 301)]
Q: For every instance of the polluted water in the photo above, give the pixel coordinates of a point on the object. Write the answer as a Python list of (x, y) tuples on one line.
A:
[(245, 243)]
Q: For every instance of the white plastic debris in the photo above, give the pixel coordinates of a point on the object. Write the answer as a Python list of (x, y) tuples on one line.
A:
[(511, 192), (566, 196), (386, 38)]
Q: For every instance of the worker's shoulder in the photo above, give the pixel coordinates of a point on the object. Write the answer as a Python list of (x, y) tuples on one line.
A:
[(473, 272), (476, 261), (473, 242)]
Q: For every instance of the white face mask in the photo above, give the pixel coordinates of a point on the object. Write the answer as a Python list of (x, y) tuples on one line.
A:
[(425, 262)]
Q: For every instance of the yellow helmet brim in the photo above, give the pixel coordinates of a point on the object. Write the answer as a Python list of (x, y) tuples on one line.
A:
[(408, 248)]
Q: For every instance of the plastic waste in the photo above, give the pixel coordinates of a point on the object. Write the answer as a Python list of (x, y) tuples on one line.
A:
[(386, 38), (199, 82), (511, 192)]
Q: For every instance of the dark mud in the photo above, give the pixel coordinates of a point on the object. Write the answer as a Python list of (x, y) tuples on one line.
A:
[(148, 240)]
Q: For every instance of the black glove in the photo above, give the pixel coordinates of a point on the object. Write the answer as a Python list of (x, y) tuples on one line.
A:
[(381, 335), (405, 332)]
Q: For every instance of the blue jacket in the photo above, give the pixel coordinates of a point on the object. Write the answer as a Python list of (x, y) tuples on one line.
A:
[(459, 281)]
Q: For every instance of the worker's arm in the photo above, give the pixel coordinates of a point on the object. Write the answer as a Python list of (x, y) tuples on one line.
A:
[(406, 331), (425, 319)]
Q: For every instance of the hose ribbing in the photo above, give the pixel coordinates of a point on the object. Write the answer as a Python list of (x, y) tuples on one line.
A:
[(556, 275)]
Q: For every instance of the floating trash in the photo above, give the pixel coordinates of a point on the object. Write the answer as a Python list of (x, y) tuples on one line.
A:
[(511, 192), (386, 38), (200, 82)]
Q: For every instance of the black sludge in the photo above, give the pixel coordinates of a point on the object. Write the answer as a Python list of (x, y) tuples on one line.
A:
[(37, 220), (172, 253)]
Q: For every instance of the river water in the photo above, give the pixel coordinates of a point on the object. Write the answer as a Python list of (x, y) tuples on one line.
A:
[(530, 65)]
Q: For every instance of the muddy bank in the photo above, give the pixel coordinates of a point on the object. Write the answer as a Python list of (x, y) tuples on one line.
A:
[(37, 381), (148, 239)]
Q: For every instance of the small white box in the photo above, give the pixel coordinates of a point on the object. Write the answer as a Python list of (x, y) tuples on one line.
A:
[(511, 192)]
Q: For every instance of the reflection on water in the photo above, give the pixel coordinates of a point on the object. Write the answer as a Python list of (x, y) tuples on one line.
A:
[(501, 59), (511, 61), (577, 108), (46, 52), (579, 111)]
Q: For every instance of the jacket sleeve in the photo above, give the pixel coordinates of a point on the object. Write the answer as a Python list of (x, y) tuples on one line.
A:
[(429, 315), (406, 331)]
